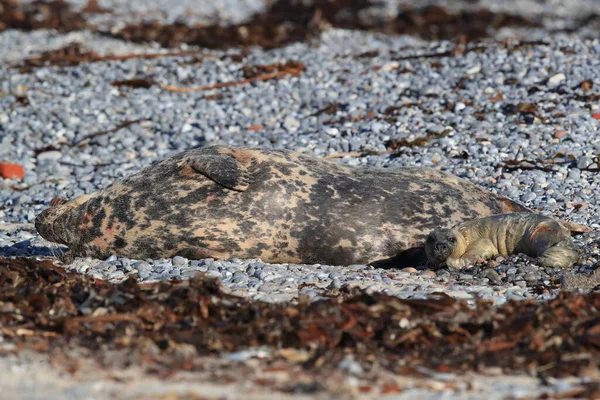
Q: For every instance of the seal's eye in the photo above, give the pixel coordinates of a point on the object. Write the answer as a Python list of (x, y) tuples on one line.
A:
[(430, 239), (452, 239)]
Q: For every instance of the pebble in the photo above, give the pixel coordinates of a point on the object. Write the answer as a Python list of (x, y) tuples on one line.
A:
[(213, 274), (459, 294), (178, 260), (292, 124), (585, 162), (458, 107), (332, 131), (49, 156), (428, 274), (556, 79), (559, 134), (351, 366)]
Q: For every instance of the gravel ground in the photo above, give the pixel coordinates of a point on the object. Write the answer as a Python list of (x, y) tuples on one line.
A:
[(475, 112), (454, 97)]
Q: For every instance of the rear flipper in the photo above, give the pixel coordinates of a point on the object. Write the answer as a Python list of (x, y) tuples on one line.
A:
[(574, 228), (561, 255)]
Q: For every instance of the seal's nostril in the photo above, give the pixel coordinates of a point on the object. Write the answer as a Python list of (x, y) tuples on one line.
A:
[(39, 224), (441, 247)]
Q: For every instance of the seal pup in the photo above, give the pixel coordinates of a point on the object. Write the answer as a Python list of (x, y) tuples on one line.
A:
[(532, 234), (276, 205)]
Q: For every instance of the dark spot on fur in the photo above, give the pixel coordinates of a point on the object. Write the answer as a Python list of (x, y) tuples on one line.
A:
[(120, 243), (283, 168), (147, 246), (121, 206), (257, 250), (97, 220)]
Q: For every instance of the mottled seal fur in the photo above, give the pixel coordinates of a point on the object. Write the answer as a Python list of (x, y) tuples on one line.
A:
[(483, 238), (276, 205)]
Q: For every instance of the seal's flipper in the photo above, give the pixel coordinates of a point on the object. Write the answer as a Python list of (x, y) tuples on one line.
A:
[(223, 169), (575, 228), (561, 255), (481, 249)]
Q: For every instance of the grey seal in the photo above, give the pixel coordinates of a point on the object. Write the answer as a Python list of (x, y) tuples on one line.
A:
[(532, 234), (276, 205)]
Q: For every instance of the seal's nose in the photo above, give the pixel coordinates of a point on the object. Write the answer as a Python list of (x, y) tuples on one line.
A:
[(43, 227), (441, 247)]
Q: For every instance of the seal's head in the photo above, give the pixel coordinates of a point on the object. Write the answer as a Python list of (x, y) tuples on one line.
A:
[(59, 222), (439, 245)]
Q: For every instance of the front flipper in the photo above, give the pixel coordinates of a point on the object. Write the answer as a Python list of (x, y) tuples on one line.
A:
[(482, 249), (224, 169)]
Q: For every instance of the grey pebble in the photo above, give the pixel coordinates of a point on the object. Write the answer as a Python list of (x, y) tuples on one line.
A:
[(213, 274), (178, 260)]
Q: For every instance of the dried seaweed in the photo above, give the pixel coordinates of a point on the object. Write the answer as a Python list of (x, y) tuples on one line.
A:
[(253, 74), (356, 154), (395, 143), (285, 21), (44, 307), (330, 109), (288, 21), (38, 14), (75, 54), (438, 23), (292, 67), (85, 140), (541, 165), (134, 83), (92, 7)]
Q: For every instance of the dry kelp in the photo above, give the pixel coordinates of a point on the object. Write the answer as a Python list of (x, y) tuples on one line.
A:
[(43, 307), (39, 14), (288, 21)]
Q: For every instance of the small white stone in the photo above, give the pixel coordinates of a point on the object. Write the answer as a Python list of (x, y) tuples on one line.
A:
[(458, 107), (459, 294), (291, 123), (390, 66), (474, 70), (556, 79), (186, 128), (182, 73), (49, 156), (332, 131)]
